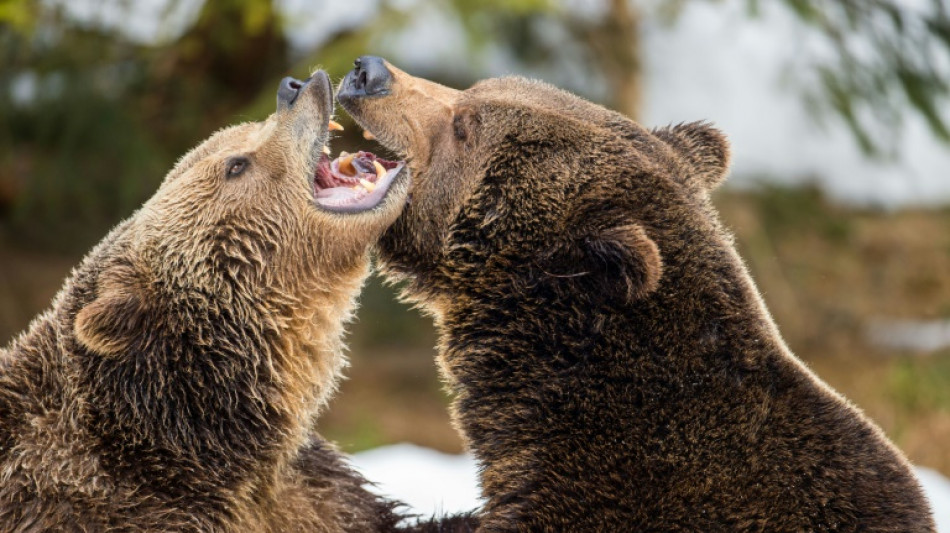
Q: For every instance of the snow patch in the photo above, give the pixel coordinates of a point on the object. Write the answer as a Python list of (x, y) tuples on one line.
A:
[(428, 481), (921, 336), (937, 489), (432, 482)]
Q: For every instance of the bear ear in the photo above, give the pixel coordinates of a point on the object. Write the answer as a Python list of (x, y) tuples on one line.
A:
[(117, 316), (705, 149), (619, 263)]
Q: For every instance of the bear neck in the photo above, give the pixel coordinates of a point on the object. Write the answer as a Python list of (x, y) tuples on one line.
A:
[(532, 370), (707, 314), (222, 398)]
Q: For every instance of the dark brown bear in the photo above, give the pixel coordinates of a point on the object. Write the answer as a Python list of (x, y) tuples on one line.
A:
[(173, 384), (614, 366)]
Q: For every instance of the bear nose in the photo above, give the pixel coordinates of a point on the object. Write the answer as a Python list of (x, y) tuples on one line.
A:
[(369, 77), (288, 91)]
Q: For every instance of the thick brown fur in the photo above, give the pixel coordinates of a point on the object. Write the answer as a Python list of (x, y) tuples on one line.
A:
[(614, 366), (173, 383)]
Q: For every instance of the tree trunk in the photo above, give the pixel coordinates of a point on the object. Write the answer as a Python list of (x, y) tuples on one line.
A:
[(615, 43)]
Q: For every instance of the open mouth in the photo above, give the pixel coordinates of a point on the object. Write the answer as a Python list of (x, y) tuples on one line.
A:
[(353, 182)]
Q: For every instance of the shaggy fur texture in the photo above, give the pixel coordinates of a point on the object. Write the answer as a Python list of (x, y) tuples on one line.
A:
[(173, 383), (614, 367)]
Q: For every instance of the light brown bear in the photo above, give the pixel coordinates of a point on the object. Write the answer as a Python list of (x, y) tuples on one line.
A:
[(614, 366), (173, 383)]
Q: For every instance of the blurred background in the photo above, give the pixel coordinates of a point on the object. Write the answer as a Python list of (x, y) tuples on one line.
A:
[(838, 112)]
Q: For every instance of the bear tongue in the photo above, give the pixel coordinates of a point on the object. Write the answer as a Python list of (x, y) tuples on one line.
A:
[(340, 195)]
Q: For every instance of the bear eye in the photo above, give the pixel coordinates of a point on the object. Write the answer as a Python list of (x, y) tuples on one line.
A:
[(237, 166)]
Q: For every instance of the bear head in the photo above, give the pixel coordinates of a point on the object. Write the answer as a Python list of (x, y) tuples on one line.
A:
[(515, 181), (236, 275)]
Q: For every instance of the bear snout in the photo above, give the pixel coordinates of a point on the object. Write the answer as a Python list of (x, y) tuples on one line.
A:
[(288, 91), (369, 77)]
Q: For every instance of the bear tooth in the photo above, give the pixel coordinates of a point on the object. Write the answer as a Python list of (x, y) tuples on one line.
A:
[(326, 150), (334, 126), (346, 164), (368, 185), (368, 136), (380, 170)]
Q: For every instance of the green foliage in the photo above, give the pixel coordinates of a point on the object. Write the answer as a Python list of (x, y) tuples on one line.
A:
[(337, 52), (76, 182), (922, 384), (104, 117), (887, 60), (479, 16), (384, 321), (801, 210), (360, 433), (19, 14), (90, 121), (63, 133)]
